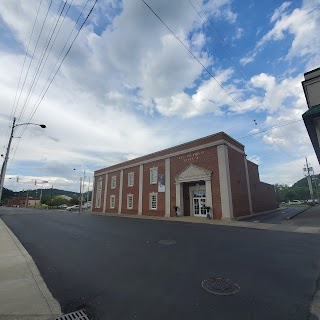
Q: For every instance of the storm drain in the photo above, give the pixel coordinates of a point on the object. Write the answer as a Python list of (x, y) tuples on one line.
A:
[(220, 286), (76, 315), (167, 242)]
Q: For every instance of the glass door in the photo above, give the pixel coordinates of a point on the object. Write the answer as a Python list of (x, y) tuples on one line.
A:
[(199, 203)]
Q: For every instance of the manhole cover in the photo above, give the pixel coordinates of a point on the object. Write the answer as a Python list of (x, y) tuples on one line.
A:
[(167, 242), (77, 315), (221, 286)]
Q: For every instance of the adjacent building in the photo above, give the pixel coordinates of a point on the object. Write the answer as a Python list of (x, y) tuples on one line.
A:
[(23, 202), (311, 118), (208, 175)]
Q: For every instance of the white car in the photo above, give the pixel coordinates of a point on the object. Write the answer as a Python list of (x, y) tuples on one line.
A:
[(296, 202), (73, 208)]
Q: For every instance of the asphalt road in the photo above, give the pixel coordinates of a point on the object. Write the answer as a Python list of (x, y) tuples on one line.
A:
[(116, 269), (277, 216)]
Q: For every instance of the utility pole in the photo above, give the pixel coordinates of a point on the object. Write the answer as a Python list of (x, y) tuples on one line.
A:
[(307, 169), (80, 206), (6, 158)]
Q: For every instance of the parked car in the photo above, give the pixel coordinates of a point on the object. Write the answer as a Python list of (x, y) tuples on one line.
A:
[(63, 206), (296, 202), (73, 208)]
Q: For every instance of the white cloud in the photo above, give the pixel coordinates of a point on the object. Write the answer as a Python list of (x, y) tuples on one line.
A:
[(302, 24)]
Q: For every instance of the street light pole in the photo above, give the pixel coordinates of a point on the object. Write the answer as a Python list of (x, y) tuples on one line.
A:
[(81, 188), (5, 161), (6, 158)]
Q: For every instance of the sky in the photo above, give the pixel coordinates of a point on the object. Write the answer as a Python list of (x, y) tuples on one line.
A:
[(129, 85)]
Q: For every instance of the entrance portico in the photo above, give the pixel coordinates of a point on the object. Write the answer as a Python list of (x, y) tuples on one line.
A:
[(193, 191)]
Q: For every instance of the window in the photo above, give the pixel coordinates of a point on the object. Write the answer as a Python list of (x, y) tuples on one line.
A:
[(112, 202), (129, 201), (130, 179), (113, 182), (153, 175), (153, 201), (99, 190)]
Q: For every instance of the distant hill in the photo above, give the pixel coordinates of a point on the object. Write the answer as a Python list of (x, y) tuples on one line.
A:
[(36, 193), (303, 183)]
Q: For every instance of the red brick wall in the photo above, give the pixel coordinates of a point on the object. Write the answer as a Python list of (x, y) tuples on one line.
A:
[(111, 192), (205, 158), (149, 188), (262, 194), (130, 190), (239, 189)]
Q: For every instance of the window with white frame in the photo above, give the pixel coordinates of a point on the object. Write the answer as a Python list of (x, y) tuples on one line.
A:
[(129, 201), (99, 190), (153, 201), (130, 179), (153, 175), (112, 201), (113, 182)]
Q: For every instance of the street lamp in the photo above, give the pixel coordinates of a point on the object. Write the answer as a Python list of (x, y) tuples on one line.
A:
[(6, 158), (81, 188)]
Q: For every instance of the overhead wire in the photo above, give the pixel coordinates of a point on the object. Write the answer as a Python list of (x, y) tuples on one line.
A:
[(47, 88), (35, 48), (37, 72), (195, 57), (238, 67), (14, 106)]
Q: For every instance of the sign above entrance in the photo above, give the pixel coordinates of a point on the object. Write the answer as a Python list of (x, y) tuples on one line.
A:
[(191, 157)]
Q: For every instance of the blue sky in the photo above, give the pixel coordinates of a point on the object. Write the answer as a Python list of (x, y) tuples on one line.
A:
[(128, 87)]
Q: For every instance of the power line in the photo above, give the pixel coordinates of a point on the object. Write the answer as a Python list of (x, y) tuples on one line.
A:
[(194, 56), (40, 63), (237, 66), (14, 106), (38, 104), (35, 48)]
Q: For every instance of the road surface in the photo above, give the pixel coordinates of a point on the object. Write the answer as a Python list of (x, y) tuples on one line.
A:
[(277, 216), (115, 267)]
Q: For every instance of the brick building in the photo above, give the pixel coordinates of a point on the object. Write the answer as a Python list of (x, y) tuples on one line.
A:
[(209, 172), (23, 202)]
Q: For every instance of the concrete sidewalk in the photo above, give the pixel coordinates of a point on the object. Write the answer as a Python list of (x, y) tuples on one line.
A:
[(23, 293)]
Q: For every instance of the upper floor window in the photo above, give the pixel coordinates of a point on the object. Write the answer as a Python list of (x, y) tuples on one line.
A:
[(113, 182), (153, 175), (130, 179)]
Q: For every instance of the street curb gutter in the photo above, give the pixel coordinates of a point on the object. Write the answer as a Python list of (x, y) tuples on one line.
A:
[(295, 214), (53, 304)]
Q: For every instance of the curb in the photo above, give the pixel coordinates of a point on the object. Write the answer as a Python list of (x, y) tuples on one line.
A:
[(53, 304), (295, 214)]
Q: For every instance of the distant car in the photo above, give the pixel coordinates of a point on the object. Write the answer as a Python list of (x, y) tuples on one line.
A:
[(63, 206), (295, 202), (73, 208)]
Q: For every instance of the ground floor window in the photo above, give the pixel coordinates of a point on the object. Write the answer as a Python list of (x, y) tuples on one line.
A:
[(112, 201), (153, 201), (130, 201)]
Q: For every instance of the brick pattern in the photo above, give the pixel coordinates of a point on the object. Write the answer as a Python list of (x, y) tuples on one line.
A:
[(263, 194), (212, 138), (130, 190), (149, 188), (239, 190)]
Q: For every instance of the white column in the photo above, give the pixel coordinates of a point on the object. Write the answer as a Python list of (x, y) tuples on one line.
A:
[(93, 204), (179, 199), (208, 194), (248, 183), (105, 194), (120, 192), (225, 184), (167, 187), (140, 189)]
